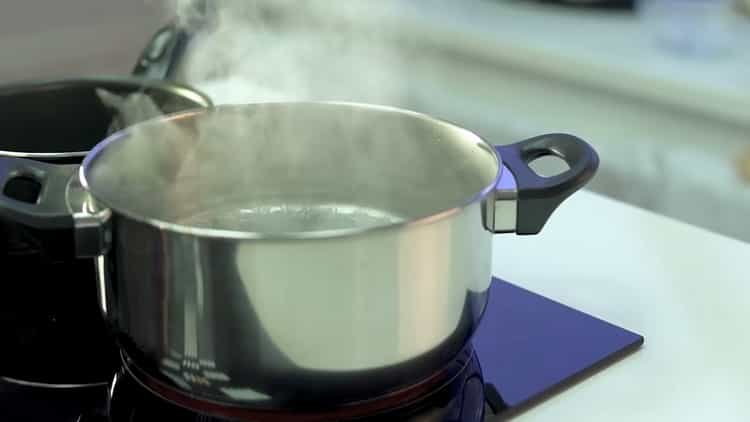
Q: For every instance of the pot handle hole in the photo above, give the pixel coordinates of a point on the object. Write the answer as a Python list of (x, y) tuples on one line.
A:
[(33, 195), (537, 197)]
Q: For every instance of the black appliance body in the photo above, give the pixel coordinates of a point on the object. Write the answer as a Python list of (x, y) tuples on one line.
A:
[(52, 329)]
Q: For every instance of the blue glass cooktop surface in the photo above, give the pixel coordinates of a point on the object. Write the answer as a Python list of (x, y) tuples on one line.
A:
[(530, 346)]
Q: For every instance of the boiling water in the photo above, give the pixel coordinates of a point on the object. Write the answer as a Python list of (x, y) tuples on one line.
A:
[(270, 219)]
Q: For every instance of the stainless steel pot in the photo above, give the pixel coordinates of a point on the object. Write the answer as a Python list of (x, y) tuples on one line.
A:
[(271, 254)]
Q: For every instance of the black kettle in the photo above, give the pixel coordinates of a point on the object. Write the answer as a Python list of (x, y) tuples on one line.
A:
[(53, 332)]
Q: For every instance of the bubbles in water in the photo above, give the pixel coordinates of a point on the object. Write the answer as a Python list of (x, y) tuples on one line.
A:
[(289, 218)]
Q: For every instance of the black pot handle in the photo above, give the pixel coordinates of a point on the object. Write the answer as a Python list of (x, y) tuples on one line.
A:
[(162, 53), (539, 196), (49, 210), (166, 49)]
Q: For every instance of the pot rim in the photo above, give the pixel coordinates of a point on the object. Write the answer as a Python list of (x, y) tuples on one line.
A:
[(199, 98), (54, 386), (204, 232)]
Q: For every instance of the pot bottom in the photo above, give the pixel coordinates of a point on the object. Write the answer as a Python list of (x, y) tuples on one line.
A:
[(456, 389)]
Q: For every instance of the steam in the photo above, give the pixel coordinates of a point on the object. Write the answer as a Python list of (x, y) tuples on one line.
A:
[(278, 50), (255, 51), (360, 166), (128, 109)]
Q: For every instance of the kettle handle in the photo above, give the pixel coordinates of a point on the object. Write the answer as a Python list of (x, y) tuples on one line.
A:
[(160, 57), (164, 52)]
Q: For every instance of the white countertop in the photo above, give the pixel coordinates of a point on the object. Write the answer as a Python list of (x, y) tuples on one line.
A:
[(685, 289)]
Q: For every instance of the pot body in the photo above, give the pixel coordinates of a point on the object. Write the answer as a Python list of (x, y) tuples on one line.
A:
[(276, 255), (295, 254), (268, 322)]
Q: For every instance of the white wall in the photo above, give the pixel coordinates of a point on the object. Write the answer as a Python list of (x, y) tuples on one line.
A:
[(53, 38)]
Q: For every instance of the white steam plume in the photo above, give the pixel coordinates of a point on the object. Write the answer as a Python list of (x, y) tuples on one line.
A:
[(274, 50)]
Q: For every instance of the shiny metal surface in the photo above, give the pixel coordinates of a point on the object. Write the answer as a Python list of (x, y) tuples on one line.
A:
[(264, 321), (290, 249), (501, 214), (92, 228)]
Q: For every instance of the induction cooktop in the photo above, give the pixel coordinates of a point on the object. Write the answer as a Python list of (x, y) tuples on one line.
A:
[(529, 347)]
